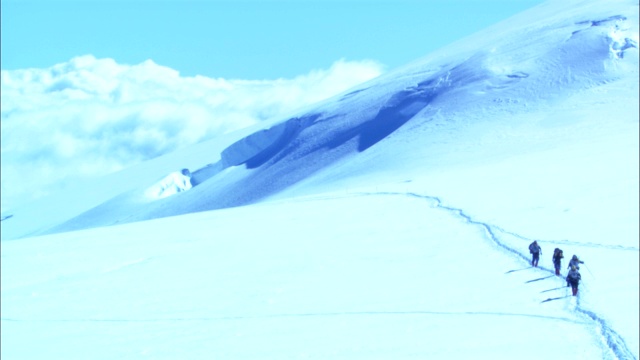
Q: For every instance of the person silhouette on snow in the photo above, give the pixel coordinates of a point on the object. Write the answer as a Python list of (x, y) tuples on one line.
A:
[(535, 250), (575, 262), (557, 259), (573, 279)]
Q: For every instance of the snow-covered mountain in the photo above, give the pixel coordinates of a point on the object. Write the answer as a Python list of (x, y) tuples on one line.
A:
[(518, 72), (381, 223)]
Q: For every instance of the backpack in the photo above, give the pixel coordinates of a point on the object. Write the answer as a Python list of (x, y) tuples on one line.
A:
[(557, 254), (574, 276)]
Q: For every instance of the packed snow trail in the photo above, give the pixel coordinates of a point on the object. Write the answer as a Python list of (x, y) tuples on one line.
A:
[(613, 341), (576, 243), (312, 314)]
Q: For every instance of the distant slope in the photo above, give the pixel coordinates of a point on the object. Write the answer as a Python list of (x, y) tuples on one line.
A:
[(490, 84)]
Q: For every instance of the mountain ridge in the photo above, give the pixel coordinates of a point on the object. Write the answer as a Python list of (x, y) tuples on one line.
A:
[(529, 72)]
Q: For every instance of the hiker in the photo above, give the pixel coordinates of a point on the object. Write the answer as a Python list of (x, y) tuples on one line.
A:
[(573, 278), (535, 250), (557, 259), (575, 262)]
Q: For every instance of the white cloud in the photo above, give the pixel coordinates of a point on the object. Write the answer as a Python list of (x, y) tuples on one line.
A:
[(89, 117)]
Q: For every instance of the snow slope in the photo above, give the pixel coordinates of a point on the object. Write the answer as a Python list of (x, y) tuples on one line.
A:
[(511, 73), (382, 223), (398, 278)]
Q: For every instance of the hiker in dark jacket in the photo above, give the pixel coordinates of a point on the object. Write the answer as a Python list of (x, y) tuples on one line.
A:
[(535, 250), (575, 262), (557, 259), (573, 278)]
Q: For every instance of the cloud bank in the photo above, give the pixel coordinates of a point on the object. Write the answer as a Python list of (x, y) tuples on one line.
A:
[(89, 117)]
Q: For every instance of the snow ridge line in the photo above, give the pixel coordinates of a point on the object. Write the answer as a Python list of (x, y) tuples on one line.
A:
[(569, 242), (615, 342), (317, 314)]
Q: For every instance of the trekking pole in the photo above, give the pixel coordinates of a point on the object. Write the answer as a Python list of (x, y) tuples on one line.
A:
[(586, 267)]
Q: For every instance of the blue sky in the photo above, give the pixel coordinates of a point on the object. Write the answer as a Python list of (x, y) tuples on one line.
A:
[(240, 39), (78, 88)]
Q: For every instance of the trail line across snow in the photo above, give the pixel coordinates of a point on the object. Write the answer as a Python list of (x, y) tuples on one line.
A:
[(314, 314), (569, 242), (612, 339)]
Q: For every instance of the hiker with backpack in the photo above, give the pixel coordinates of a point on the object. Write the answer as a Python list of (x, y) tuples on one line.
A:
[(557, 259), (573, 279), (575, 262), (535, 250)]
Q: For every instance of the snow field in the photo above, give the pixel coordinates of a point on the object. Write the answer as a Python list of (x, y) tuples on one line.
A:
[(392, 276)]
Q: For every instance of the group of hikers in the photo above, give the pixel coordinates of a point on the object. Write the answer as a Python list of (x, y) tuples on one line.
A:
[(573, 277)]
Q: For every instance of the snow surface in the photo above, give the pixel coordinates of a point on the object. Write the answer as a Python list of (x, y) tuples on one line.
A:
[(390, 222)]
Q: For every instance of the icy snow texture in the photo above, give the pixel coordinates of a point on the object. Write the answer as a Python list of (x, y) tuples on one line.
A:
[(382, 223), (171, 184)]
